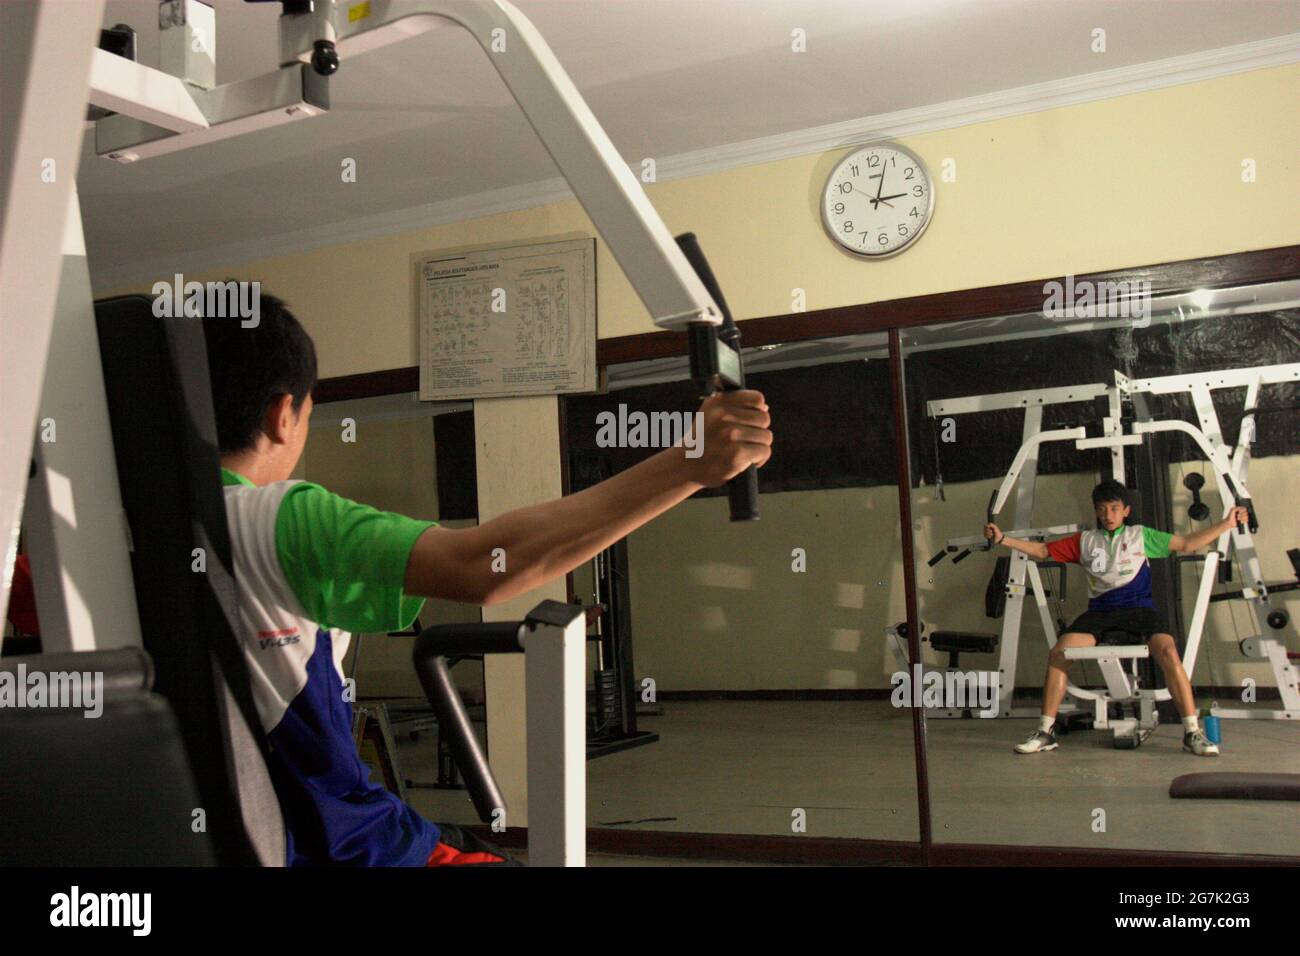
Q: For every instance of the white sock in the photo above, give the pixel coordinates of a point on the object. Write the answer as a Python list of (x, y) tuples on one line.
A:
[(1191, 725), (1045, 724)]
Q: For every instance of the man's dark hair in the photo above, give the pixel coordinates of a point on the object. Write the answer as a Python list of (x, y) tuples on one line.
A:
[(1111, 490), (252, 367)]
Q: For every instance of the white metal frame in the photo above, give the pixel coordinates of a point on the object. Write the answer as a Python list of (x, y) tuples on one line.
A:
[(601, 180), (44, 65), (1226, 462), (1121, 687), (556, 703)]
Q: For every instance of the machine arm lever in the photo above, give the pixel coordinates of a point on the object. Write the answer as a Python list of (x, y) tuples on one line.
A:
[(432, 648), (716, 364)]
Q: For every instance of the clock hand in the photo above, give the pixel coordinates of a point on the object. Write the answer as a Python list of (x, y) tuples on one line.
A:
[(870, 199), (895, 196)]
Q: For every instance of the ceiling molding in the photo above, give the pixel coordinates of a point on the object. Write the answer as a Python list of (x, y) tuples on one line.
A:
[(1105, 84)]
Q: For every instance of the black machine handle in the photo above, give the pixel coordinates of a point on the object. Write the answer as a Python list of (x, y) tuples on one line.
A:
[(988, 514), (1245, 503), (716, 360), (432, 648), (965, 553)]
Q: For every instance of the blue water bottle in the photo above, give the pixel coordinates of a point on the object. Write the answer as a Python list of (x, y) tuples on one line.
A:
[(1211, 725)]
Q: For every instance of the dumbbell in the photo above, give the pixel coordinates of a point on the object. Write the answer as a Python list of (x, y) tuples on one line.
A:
[(1199, 510)]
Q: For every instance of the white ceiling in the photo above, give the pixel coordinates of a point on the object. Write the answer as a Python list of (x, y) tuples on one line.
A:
[(430, 124)]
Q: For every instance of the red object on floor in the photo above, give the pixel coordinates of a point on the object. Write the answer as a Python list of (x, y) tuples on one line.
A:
[(444, 855), (460, 847), (22, 599)]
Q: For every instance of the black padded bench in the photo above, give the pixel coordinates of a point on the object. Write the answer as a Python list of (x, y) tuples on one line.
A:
[(956, 643), (1236, 786), (110, 790)]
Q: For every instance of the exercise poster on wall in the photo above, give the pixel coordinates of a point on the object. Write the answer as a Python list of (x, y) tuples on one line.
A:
[(514, 321)]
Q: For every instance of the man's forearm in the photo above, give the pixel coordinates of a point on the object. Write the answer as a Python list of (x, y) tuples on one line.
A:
[(527, 547), (543, 541), (1035, 549), (1194, 542)]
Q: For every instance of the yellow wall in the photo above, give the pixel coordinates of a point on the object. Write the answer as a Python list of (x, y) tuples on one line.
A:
[(1146, 178), (720, 606)]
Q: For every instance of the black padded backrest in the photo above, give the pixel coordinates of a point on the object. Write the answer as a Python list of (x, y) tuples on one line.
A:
[(164, 437), (112, 789)]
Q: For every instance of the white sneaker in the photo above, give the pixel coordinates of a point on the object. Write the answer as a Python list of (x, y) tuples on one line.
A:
[(1195, 742), (1037, 742)]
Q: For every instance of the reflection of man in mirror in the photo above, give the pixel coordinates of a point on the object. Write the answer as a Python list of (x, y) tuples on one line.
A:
[(1115, 558)]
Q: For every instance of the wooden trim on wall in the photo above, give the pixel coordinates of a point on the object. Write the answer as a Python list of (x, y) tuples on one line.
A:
[(392, 381), (1241, 268)]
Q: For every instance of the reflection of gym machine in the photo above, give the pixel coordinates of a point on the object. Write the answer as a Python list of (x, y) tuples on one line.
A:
[(614, 706), (1024, 579), (614, 709)]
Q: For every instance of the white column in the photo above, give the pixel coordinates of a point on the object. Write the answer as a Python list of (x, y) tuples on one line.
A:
[(518, 456)]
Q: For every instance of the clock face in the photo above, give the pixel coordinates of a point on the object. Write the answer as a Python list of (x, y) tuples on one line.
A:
[(877, 201)]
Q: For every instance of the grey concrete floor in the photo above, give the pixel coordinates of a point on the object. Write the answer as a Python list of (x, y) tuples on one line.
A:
[(748, 766)]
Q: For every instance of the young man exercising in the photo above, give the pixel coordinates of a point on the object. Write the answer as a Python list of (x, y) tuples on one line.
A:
[(311, 567), (1115, 559)]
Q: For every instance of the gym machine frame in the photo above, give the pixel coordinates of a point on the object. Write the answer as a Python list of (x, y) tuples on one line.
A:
[(1230, 467), (71, 506)]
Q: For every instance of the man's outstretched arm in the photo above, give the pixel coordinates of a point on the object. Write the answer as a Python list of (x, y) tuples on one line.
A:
[(1035, 549), (1185, 544), (541, 542)]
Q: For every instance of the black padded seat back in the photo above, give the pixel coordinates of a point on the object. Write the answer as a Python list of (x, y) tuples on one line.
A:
[(164, 437), (964, 642), (113, 789), (1123, 636)]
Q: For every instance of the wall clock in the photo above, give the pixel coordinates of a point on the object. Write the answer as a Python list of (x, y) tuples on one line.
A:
[(877, 201)]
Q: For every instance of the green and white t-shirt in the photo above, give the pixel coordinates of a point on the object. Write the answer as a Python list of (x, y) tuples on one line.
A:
[(1117, 563), (311, 567)]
